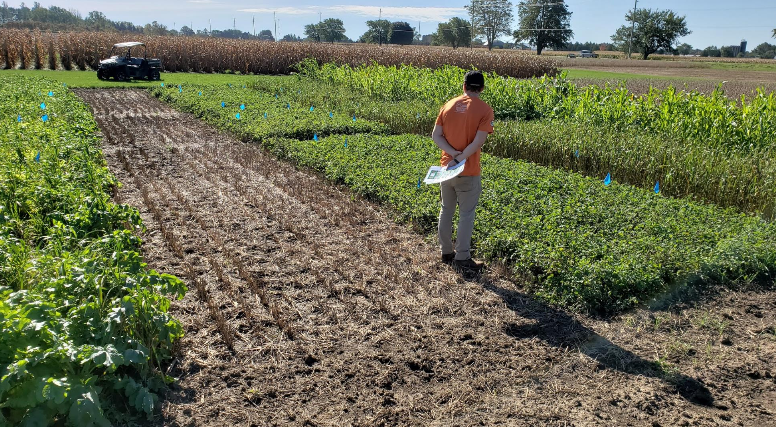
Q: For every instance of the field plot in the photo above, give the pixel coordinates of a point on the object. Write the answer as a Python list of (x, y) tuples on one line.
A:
[(309, 306)]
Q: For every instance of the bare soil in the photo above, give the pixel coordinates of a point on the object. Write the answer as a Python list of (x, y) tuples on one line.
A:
[(310, 307)]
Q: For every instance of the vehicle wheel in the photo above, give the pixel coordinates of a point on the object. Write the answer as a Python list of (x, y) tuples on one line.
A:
[(121, 76), (101, 74), (154, 75)]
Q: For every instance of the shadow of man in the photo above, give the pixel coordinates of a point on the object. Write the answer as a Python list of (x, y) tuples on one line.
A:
[(559, 329)]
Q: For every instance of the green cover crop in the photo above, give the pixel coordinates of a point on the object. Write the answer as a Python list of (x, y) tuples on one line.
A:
[(84, 323), (741, 178), (583, 244)]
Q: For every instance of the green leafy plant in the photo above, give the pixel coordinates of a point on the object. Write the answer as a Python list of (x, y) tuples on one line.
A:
[(83, 321)]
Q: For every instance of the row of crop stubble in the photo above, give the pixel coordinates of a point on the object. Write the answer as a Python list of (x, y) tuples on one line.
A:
[(82, 321), (583, 244), (83, 50)]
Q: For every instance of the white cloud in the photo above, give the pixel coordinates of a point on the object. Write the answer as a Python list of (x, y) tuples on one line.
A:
[(436, 14)]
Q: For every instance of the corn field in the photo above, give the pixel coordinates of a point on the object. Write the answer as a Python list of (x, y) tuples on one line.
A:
[(83, 50)]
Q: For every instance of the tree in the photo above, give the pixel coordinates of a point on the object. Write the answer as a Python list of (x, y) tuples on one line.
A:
[(711, 51), (727, 52), (684, 49), (313, 32), (291, 38), (774, 33), (490, 18), (378, 31), (97, 21), (583, 46), (764, 50), (332, 30), (266, 35), (455, 33), (652, 31), (155, 29), (544, 23), (401, 33), (186, 31)]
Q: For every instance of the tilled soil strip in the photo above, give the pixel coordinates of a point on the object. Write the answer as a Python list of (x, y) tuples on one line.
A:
[(309, 306)]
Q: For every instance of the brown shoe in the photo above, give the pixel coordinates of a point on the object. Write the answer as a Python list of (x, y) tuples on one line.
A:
[(468, 264), (448, 258)]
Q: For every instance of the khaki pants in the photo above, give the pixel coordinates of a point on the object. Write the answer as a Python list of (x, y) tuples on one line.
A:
[(464, 192)]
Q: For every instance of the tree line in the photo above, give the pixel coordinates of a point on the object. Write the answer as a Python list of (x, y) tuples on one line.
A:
[(59, 19), (541, 23)]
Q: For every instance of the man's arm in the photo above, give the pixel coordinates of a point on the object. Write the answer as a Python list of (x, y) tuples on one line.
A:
[(441, 141), (472, 148)]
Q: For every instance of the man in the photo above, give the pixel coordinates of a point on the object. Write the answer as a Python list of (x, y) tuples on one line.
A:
[(461, 128)]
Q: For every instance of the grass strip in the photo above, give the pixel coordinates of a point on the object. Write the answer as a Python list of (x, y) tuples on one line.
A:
[(84, 322)]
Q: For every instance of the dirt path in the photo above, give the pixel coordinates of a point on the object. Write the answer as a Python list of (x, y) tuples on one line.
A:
[(309, 307)]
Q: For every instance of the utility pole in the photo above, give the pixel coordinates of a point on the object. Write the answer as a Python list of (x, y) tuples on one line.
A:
[(234, 24), (275, 19), (380, 28), (633, 24), (254, 25)]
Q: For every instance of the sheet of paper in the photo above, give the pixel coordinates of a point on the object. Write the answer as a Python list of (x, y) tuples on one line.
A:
[(437, 174)]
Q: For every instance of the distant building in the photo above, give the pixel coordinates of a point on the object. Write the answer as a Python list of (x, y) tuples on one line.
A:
[(741, 48)]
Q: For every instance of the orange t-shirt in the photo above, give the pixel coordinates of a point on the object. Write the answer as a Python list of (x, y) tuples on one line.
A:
[(460, 119)]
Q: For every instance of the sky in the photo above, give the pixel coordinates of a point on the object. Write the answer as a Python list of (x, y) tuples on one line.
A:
[(712, 22)]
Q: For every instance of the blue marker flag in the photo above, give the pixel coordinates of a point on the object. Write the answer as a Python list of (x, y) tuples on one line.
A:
[(237, 116), (37, 157), (265, 114), (180, 90), (200, 93), (312, 108), (331, 114), (162, 84), (288, 105), (419, 180), (242, 106), (223, 104), (346, 143), (315, 137), (576, 154), (19, 118), (276, 96), (44, 118), (657, 187), (417, 116), (608, 179), (354, 117), (42, 105), (51, 93)]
